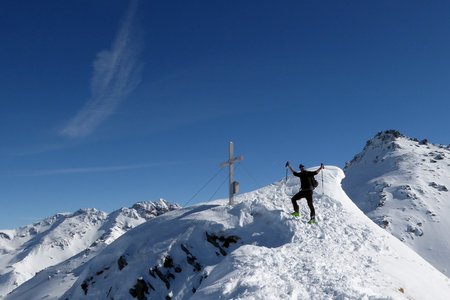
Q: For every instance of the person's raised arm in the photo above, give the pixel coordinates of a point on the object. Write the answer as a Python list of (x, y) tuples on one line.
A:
[(320, 168), (290, 168)]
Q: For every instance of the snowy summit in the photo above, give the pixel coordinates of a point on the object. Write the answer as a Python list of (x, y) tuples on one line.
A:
[(256, 250), (403, 184)]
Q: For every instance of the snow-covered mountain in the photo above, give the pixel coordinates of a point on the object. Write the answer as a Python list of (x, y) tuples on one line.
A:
[(403, 185), (254, 250), (77, 236)]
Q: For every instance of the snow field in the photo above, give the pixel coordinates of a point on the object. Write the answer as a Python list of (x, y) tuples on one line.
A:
[(275, 256), (402, 185)]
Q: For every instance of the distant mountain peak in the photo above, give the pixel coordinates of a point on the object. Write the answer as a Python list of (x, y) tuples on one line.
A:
[(67, 236), (388, 141), (402, 184), (149, 210), (391, 133), (382, 143)]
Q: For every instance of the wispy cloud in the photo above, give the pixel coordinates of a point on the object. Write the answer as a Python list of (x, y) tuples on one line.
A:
[(116, 74), (68, 171)]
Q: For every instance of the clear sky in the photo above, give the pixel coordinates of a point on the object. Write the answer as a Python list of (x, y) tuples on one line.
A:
[(106, 103)]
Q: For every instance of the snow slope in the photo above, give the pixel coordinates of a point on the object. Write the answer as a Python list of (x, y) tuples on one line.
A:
[(256, 250), (402, 184), (70, 239)]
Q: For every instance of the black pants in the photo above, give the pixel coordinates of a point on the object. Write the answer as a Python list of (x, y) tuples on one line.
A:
[(309, 198)]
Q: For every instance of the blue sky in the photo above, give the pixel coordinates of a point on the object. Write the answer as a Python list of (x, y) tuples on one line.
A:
[(106, 103)]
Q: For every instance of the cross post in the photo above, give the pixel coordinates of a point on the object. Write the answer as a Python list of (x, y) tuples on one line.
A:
[(232, 185)]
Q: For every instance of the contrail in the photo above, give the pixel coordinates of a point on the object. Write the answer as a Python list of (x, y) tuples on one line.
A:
[(117, 72)]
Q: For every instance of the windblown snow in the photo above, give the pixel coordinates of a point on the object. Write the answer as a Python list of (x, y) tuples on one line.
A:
[(254, 250)]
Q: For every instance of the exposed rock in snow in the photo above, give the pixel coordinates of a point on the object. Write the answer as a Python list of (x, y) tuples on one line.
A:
[(255, 250), (401, 183), (67, 238)]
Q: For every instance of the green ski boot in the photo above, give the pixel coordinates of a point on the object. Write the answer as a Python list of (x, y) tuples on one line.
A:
[(312, 221)]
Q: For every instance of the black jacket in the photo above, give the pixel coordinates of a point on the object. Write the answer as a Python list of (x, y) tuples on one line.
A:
[(305, 179)]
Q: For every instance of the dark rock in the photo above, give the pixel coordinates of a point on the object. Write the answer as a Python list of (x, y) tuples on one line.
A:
[(139, 290), (191, 259), (4, 236), (122, 262), (168, 262), (224, 241)]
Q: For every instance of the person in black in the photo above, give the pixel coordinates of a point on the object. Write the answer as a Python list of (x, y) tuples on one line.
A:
[(306, 189)]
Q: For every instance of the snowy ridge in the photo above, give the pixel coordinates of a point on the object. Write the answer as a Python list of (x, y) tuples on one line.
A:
[(77, 237), (402, 184), (256, 250)]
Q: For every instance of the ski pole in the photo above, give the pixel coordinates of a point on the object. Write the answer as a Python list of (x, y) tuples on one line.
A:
[(323, 168), (286, 166)]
